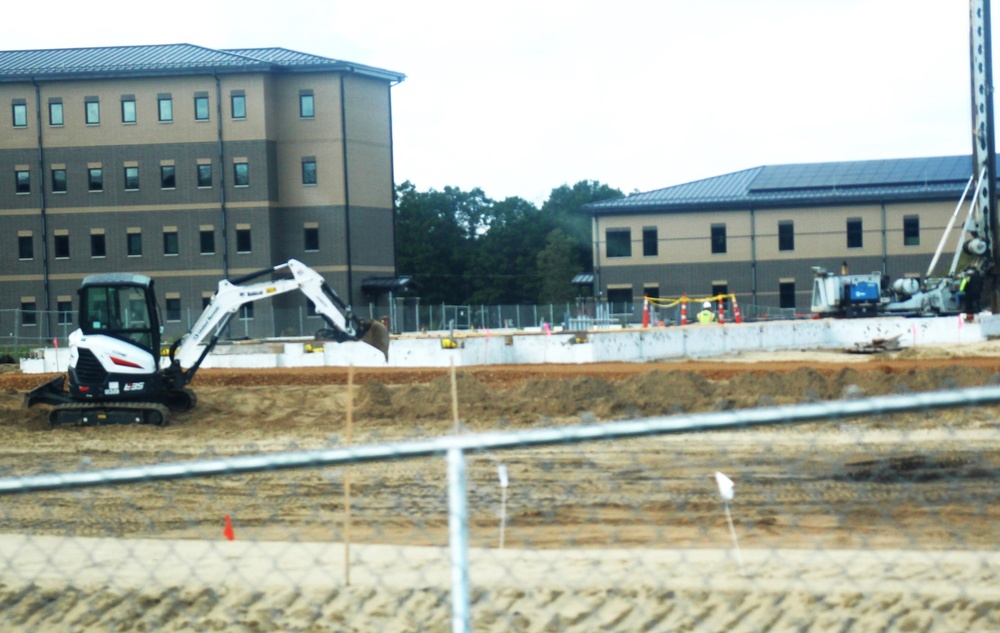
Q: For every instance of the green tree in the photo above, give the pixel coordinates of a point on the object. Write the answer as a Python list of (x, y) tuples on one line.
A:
[(431, 245), (557, 265), (564, 204), (503, 262), (462, 247)]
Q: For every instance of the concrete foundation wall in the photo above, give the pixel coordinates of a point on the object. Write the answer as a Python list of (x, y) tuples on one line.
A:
[(629, 345)]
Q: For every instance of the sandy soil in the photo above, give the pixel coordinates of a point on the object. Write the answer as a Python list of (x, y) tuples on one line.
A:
[(874, 524)]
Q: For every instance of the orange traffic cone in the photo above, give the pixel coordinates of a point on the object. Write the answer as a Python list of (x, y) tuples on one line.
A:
[(684, 310), (227, 531), (736, 311), (722, 313), (645, 312)]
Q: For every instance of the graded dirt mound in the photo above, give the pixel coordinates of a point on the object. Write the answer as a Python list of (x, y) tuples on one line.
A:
[(652, 393)]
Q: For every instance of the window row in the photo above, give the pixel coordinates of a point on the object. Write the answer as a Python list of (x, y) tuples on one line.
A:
[(167, 176), (65, 314), (128, 108), (618, 242), (171, 243)]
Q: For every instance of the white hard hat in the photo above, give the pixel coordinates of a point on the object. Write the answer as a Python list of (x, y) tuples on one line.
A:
[(707, 305)]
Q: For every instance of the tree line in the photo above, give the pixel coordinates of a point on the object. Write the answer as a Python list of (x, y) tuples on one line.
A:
[(464, 248)]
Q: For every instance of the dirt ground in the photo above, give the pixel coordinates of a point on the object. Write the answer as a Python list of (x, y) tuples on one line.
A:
[(901, 485)]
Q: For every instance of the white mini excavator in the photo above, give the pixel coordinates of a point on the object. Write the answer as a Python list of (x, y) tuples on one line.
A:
[(116, 373)]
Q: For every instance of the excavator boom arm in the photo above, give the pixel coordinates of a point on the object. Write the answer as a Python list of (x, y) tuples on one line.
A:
[(234, 294)]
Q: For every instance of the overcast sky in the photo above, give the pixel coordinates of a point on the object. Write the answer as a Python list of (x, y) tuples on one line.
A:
[(521, 96)]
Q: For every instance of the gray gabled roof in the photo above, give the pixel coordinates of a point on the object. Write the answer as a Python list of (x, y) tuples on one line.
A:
[(167, 59), (805, 184)]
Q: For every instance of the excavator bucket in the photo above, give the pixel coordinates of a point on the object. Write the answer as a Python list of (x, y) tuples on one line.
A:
[(377, 335)]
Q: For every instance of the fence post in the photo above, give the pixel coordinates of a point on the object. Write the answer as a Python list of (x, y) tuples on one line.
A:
[(458, 537)]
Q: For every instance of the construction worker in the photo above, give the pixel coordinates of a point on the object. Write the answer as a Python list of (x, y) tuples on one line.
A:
[(707, 315), (970, 290)]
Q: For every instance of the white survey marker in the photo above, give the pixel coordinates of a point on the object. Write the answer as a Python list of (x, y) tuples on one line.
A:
[(726, 491), (502, 474), (725, 486)]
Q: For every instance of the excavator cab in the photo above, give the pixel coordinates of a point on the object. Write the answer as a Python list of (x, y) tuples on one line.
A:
[(118, 341), (121, 306)]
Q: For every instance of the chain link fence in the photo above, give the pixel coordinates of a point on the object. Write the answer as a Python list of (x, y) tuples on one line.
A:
[(863, 514)]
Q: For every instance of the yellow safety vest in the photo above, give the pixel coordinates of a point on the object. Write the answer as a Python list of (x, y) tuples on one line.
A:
[(706, 316)]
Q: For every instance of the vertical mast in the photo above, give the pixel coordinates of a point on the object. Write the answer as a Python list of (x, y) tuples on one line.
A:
[(984, 147)]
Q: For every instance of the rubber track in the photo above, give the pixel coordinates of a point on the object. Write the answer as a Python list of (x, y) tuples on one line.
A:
[(117, 413)]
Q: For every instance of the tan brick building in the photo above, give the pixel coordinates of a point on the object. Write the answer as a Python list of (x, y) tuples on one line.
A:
[(758, 232), (189, 165)]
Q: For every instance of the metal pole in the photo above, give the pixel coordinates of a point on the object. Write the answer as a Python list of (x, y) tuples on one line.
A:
[(984, 144), (458, 530)]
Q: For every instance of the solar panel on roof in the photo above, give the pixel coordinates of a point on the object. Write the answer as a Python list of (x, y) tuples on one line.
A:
[(908, 171)]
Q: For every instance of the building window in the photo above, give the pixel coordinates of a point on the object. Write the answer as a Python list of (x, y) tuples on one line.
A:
[(25, 247), (168, 177), (20, 113), (131, 178), (22, 181), (205, 175), (133, 244), (61, 246), (58, 181), (650, 242), (620, 300), (786, 235), (312, 238), (855, 234), (170, 242), (56, 113), (619, 242), (98, 245), (173, 305), (238, 104), (308, 172), (911, 230), (307, 106), (718, 238), (206, 241), (246, 312), (92, 110), (166, 109), (243, 242), (201, 108), (721, 289), (95, 179), (64, 314), (786, 294), (241, 174), (29, 314), (128, 111)]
